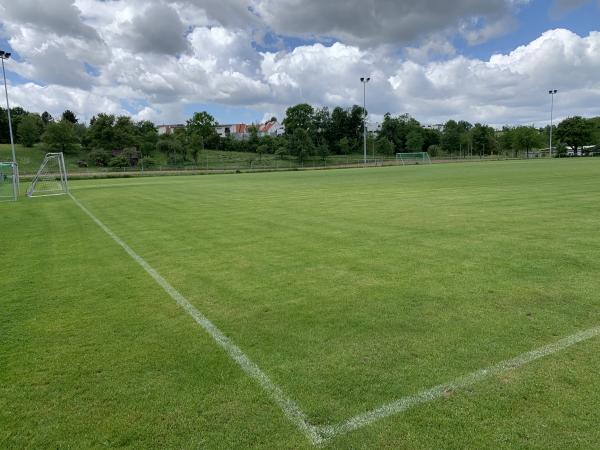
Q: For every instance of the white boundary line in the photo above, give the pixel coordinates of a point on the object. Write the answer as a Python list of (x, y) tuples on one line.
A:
[(287, 405), (318, 435), (438, 391)]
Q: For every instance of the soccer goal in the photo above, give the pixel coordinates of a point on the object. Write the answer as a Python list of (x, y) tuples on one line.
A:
[(51, 179), (9, 181), (413, 158)]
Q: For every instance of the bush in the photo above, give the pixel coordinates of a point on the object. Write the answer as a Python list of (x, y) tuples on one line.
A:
[(131, 155), (175, 158), (119, 161), (147, 161), (99, 157)]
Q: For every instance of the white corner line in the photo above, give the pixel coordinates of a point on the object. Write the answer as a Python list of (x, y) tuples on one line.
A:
[(290, 409), (319, 435), (405, 403)]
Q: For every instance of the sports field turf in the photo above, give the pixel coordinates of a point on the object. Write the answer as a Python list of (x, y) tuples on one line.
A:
[(348, 289)]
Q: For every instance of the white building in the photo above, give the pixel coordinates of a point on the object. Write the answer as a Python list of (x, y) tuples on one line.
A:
[(271, 128), (168, 129), (242, 131), (435, 126)]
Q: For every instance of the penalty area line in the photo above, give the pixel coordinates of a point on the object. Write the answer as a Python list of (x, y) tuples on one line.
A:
[(405, 403), (318, 435), (289, 408)]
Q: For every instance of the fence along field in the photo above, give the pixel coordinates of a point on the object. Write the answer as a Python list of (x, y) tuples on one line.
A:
[(350, 290)]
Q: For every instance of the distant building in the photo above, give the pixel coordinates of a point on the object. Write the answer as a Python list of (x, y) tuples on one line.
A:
[(242, 131), (271, 128), (583, 150), (235, 130), (168, 129), (435, 126)]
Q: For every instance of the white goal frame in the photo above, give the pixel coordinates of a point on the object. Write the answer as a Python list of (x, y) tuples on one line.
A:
[(56, 177), (416, 157), (14, 181)]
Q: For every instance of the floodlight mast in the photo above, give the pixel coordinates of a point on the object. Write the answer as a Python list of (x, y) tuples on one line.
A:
[(551, 92), (364, 81), (5, 55)]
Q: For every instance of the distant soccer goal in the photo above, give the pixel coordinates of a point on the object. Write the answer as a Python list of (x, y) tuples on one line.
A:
[(413, 158), (51, 178), (9, 181)]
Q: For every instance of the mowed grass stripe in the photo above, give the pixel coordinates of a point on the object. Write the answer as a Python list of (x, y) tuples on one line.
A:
[(347, 304), (93, 355), (288, 406)]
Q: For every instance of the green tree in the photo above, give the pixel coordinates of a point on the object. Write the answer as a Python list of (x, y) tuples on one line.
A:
[(253, 142), (344, 146), (483, 138), (101, 133), (397, 129), (300, 145), (338, 126), (575, 132), (281, 150), (148, 137), (125, 133), (203, 124), (60, 136), (505, 141), (196, 144), (321, 125), (451, 137), (172, 148), (298, 116), (261, 150), (323, 151), (99, 157), (526, 138), (414, 140), (384, 146), (30, 129), (69, 116), (431, 137)]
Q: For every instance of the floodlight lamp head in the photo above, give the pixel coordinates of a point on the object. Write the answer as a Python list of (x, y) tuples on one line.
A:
[(1, 52), (7, 55), (368, 79), (362, 79)]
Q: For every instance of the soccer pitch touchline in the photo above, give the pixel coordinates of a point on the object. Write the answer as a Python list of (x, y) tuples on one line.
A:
[(321, 434), (288, 406)]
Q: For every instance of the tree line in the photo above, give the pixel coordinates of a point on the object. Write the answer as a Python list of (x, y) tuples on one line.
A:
[(119, 141)]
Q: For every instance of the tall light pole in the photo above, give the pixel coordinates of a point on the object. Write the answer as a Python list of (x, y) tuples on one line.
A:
[(5, 55), (364, 81), (551, 92)]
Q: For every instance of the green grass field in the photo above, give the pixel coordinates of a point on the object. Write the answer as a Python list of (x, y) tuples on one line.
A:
[(349, 289)]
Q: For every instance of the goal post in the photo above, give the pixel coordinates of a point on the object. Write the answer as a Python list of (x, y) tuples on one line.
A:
[(9, 181), (413, 158), (51, 178)]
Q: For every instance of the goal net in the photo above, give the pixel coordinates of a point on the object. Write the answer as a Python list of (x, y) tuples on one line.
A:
[(51, 178), (9, 181), (413, 158)]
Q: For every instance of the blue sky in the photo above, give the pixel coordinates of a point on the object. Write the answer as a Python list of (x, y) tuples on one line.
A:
[(531, 21), (246, 60)]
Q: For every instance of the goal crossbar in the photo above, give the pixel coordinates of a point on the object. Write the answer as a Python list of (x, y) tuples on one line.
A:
[(413, 158)]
